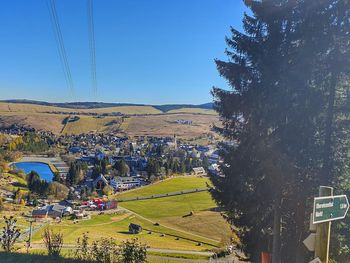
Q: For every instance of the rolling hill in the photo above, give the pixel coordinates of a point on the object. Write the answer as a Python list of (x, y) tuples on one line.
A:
[(95, 105), (129, 119)]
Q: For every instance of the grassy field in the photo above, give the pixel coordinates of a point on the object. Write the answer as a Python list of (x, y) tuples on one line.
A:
[(18, 107), (38, 121), (167, 186), (172, 211), (116, 226), (166, 125), (153, 123), (176, 228), (194, 110), (90, 124), (171, 206)]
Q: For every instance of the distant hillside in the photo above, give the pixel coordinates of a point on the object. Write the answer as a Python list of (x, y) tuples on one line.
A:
[(95, 105), (169, 107)]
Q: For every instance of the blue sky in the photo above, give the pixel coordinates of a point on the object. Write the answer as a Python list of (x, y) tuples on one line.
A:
[(147, 51)]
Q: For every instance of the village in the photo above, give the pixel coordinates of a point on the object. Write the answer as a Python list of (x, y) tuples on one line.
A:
[(94, 168)]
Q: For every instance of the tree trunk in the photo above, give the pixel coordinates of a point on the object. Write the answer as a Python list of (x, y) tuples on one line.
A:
[(276, 246), (327, 158), (300, 218)]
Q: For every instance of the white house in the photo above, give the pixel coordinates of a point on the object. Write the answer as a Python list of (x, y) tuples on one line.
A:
[(124, 183)]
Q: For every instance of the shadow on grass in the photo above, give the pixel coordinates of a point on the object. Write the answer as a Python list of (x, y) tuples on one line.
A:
[(30, 258)]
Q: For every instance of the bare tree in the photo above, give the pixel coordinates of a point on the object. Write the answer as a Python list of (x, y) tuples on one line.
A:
[(10, 234)]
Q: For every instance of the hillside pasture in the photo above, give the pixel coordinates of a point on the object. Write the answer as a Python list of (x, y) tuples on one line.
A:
[(194, 110), (174, 184), (193, 213), (38, 121), (33, 108), (144, 120), (116, 226), (166, 125), (86, 124)]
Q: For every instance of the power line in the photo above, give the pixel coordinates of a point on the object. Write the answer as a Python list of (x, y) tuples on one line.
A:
[(90, 14), (60, 44)]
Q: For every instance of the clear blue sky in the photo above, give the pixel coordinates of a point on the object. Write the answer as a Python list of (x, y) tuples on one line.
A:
[(147, 51)]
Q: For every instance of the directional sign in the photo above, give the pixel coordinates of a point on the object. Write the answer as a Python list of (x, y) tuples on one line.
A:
[(316, 260), (330, 208)]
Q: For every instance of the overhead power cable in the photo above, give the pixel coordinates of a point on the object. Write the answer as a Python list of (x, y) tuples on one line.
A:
[(90, 15), (51, 4)]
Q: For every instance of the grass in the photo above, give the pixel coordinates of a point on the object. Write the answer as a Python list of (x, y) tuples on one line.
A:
[(17, 178), (174, 212), (88, 124), (166, 125), (204, 225), (116, 226), (179, 205), (194, 110), (167, 186), (154, 123), (18, 107)]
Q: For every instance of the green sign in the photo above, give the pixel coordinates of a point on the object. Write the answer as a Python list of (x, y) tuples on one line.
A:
[(330, 208)]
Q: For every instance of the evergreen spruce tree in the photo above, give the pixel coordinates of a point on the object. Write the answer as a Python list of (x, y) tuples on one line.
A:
[(283, 115)]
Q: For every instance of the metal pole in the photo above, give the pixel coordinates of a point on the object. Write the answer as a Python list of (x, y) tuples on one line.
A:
[(323, 231), (29, 241)]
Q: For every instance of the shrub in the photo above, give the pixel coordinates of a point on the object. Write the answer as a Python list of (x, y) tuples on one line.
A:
[(133, 251), (105, 251), (53, 242), (83, 252)]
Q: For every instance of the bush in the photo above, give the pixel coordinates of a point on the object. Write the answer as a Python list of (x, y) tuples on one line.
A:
[(83, 252), (107, 251), (53, 242), (133, 251)]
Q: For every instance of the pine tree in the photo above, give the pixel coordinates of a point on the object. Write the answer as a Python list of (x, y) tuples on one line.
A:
[(283, 71)]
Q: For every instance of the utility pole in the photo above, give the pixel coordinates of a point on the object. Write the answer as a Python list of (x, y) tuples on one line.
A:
[(29, 241), (323, 231)]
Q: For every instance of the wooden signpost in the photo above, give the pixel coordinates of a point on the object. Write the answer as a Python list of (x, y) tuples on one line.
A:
[(327, 208)]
